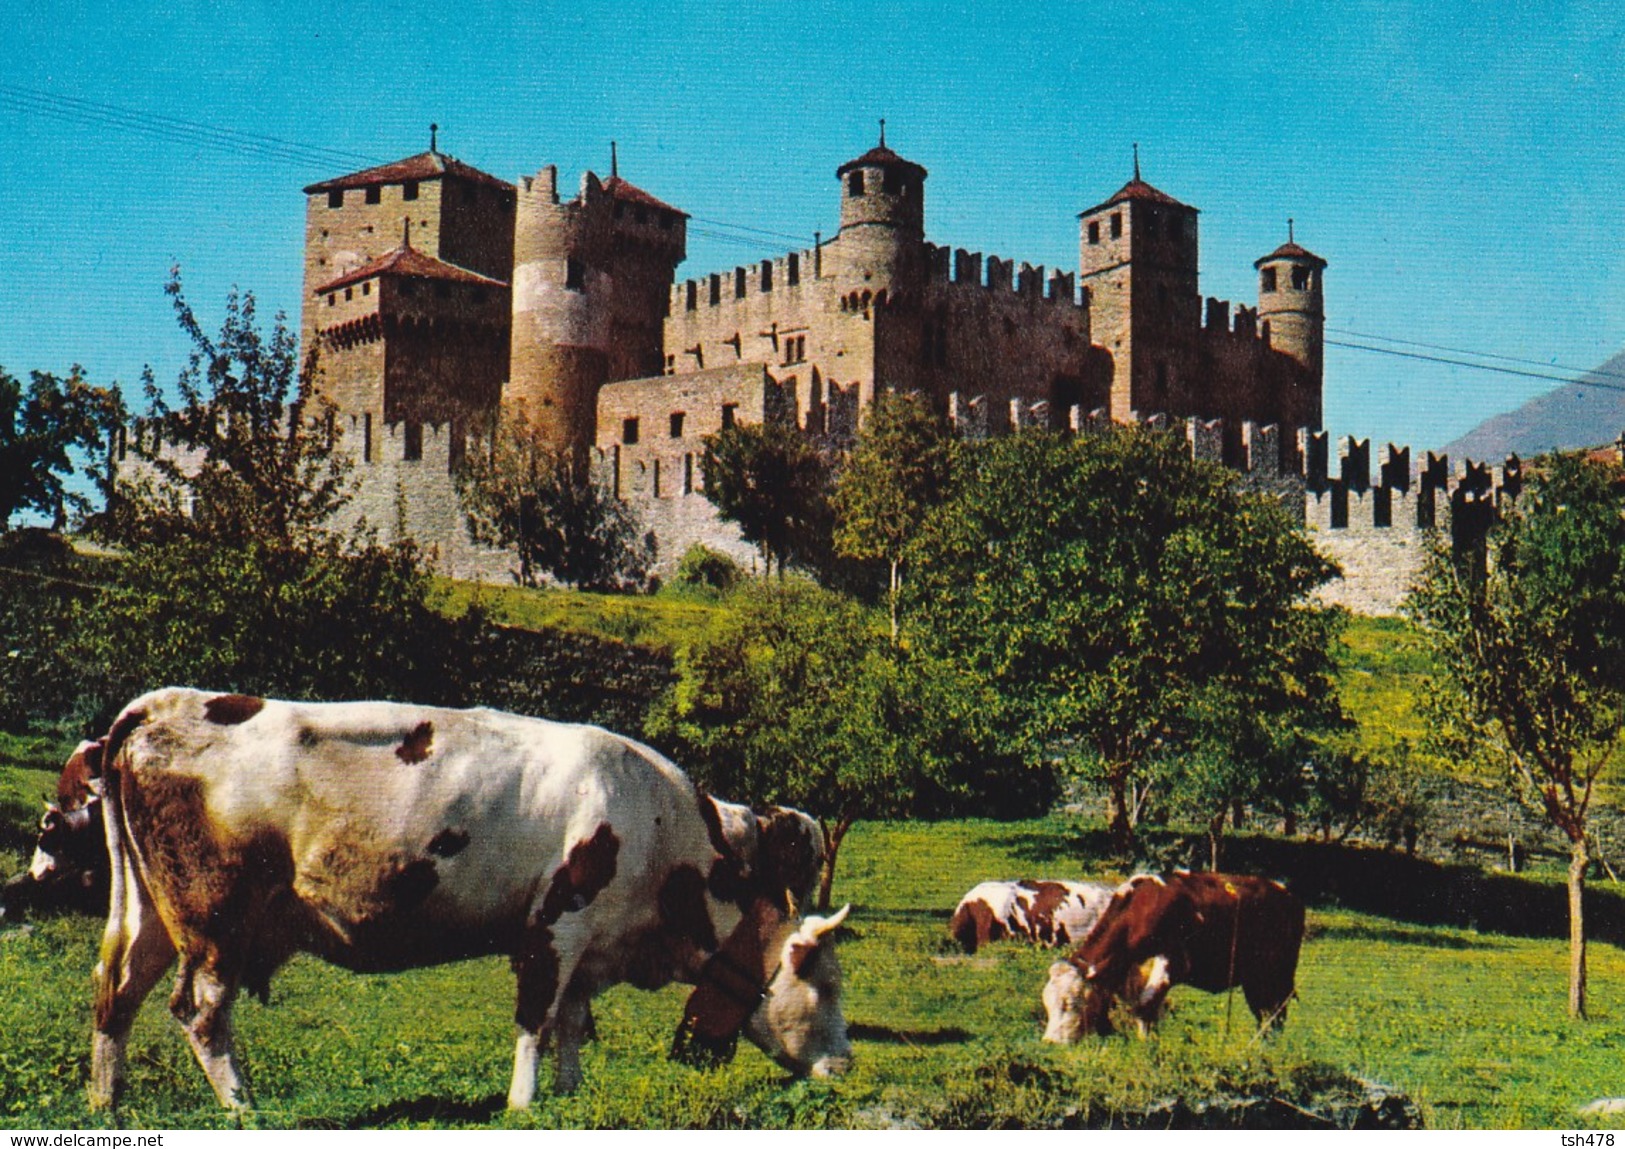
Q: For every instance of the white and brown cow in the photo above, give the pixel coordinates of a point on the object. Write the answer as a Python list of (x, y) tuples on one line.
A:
[(1047, 913), (69, 866), (381, 836), (1212, 931)]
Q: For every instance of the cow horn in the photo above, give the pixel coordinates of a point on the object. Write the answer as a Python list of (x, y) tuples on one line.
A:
[(829, 924)]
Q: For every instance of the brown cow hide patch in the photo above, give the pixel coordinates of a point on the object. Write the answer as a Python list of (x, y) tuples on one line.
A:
[(589, 867), (232, 709), (1048, 898), (417, 744)]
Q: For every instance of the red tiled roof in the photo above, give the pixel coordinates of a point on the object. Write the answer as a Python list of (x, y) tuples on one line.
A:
[(423, 166), (631, 193), (411, 262), (1138, 189), (879, 156), (1290, 250)]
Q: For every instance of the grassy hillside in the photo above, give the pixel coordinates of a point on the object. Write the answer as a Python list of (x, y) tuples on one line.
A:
[(661, 621)]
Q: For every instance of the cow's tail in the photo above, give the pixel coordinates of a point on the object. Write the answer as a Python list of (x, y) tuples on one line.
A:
[(124, 894)]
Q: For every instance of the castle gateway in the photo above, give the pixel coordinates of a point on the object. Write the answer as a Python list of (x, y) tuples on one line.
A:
[(440, 295)]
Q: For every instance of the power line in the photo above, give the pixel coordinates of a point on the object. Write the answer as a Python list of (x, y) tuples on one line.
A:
[(1475, 366), (173, 129), (756, 230), (1480, 354)]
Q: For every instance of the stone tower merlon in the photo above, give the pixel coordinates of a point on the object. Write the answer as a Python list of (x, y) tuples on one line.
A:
[(1292, 320), (882, 241), (1137, 262), (591, 287)]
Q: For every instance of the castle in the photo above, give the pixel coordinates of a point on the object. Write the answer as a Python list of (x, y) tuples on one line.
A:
[(439, 295)]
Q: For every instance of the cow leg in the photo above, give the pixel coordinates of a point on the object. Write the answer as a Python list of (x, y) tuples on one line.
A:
[(1268, 1004), (204, 995), (570, 1029), (547, 960), (135, 952)]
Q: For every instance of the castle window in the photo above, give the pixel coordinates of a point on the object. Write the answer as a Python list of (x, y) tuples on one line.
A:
[(335, 198), (366, 288), (332, 298), (728, 411), (676, 424), (366, 438), (1117, 225), (629, 431), (654, 488), (1094, 231), (409, 190), (1300, 279), (349, 293), (739, 283), (1266, 279), (375, 194), (575, 275), (792, 269), (891, 182), (854, 184), (414, 440), (688, 474)]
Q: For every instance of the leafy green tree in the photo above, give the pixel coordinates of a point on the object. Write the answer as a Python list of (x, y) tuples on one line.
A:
[(41, 427), (518, 493), (897, 472), (244, 452), (1123, 600), (1532, 650), (772, 481), (795, 696), (233, 576)]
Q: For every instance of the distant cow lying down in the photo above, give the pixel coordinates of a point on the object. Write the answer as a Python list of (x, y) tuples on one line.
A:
[(1212, 931), (381, 836), (1046, 913)]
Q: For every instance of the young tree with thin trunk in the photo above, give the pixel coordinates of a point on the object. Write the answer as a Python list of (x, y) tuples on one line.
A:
[(898, 471), (1533, 654), (773, 481)]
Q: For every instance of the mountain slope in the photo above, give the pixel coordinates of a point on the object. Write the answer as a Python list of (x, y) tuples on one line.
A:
[(1573, 415)]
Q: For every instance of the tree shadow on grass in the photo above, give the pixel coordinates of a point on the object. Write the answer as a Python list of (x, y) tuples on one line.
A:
[(1397, 935), (948, 1035), (438, 1111)]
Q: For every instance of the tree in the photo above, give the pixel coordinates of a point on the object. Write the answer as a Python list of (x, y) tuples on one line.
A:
[(521, 494), (1532, 650), (233, 575), (773, 482), (898, 471), (40, 429), (1123, 600), (795, 696), (240, 455)]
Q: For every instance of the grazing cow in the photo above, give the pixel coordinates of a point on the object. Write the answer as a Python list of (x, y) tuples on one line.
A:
[(69, 867), (1046, 913), (380, 836), (1212, 931)]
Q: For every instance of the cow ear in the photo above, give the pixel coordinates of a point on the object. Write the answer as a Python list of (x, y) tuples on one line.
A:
[(799, 954)]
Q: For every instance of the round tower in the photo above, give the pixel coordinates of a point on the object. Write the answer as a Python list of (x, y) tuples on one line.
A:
[(882, 240), (1291, 304), (560, 342)]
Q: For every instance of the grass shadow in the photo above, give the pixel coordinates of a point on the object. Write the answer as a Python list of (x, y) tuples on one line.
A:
[(948, 1035), (438, 1111), (1398, 935)]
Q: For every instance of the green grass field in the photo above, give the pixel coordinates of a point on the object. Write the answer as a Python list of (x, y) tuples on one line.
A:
[(1471, 1026)]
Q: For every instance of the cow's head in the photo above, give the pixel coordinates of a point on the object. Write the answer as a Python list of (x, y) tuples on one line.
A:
[(800, 1024), (69, 867), (1075, 1003), (790, 1009)]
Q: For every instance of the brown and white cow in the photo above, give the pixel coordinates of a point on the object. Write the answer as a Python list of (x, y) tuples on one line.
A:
[(69, 866), (1212, 931), (381, 836), (1052, 913)]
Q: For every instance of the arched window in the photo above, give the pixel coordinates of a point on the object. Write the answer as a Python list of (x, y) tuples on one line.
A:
[(854, 184)]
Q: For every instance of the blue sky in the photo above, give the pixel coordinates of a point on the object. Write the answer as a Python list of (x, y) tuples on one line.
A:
[(1459, 165)]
